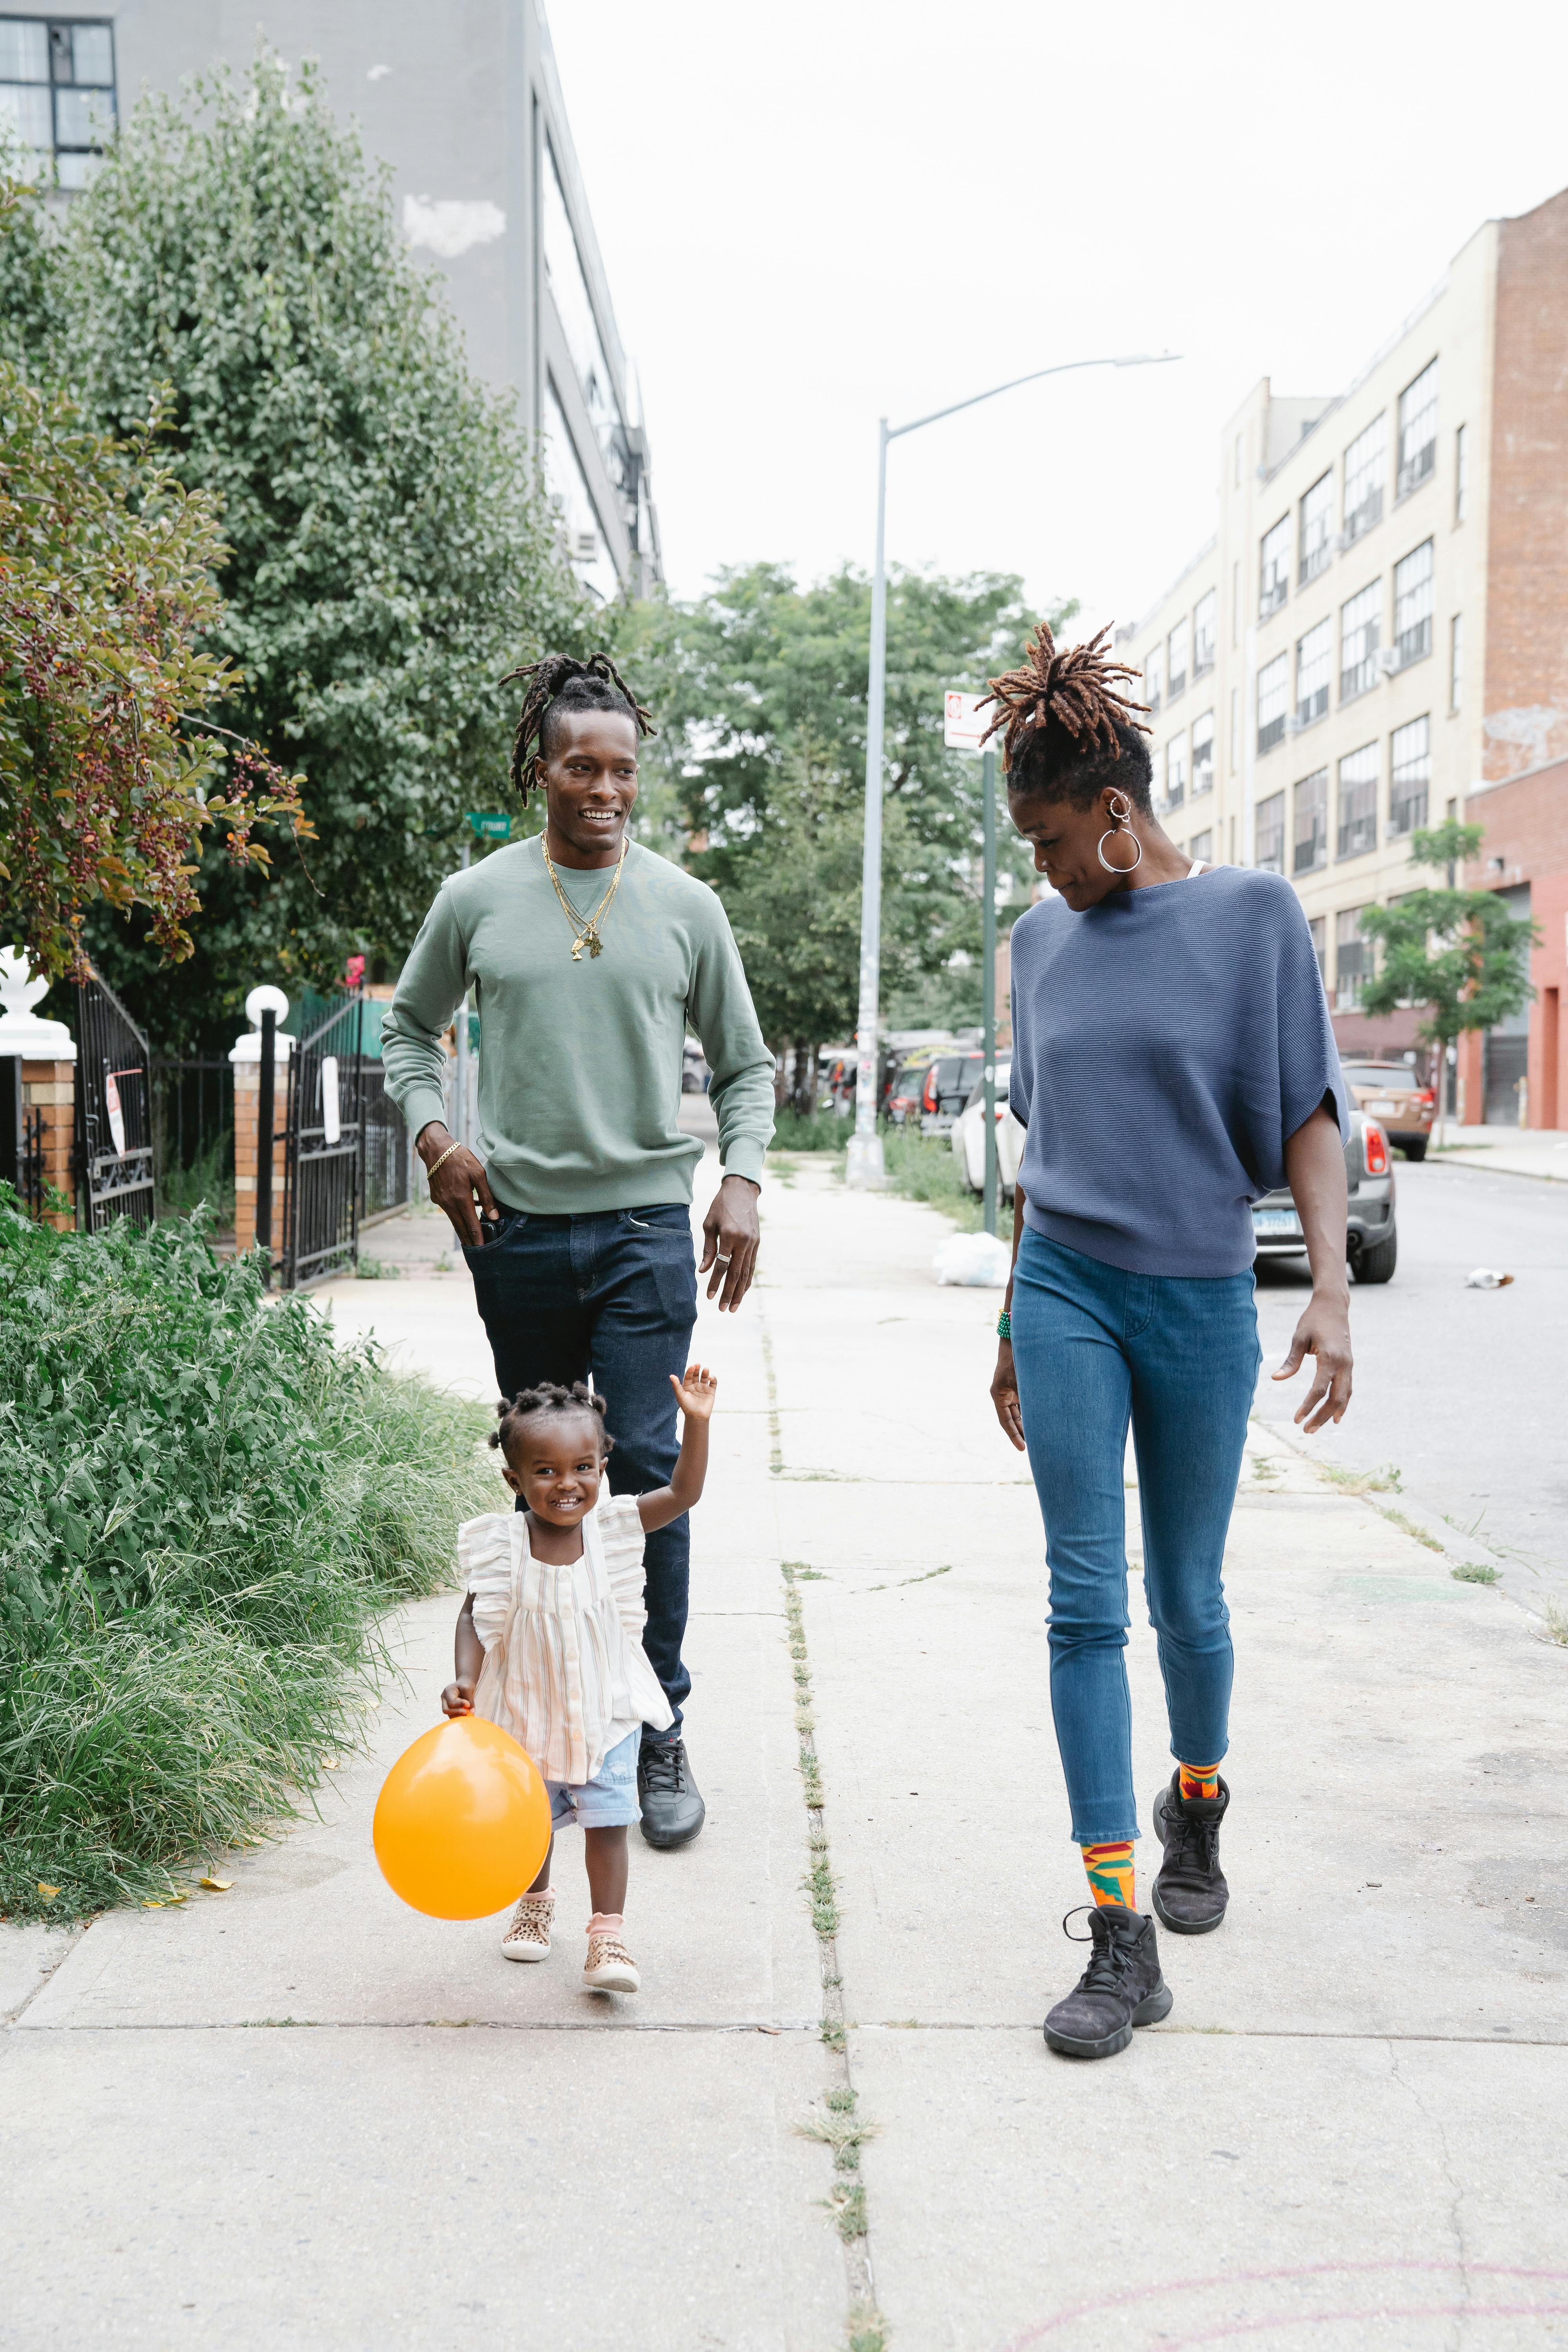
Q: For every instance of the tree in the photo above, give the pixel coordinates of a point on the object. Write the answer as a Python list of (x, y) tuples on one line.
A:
[(390, 554), (112, 766), (1459, 953), (760, 691)]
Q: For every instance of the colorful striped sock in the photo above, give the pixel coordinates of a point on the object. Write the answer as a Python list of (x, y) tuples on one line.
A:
[(1109, 1869), (1200, 1780)]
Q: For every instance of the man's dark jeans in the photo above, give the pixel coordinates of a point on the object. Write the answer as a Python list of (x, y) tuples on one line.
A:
[(615, 1295)]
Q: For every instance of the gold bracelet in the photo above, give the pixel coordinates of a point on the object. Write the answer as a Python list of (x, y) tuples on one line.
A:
[(442, 1161)]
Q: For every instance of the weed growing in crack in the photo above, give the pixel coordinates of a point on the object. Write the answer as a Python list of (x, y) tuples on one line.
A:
[(868, 2329), (1472, 1573)]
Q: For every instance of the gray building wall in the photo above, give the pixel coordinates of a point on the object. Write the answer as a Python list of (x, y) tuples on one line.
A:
[(462, 101)]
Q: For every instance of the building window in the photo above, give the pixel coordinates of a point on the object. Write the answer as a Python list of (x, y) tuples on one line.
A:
[(1312, 823), (1201, 846), (1418, 432), (1236, 601), (1314, 660), (1357, 801), (1206, 629), (1273, 693), (1274, 568), (1352, 959), (1365, 465), (568, 284), (1317, 522), (1410, 776), (1412, 607), (56, 92), (1154, 676), (1361, 633), (1176, 771), (1456, 659), (1203, 754), (1176, 653), (1269, 838), (1461, 472), (1319, 927)]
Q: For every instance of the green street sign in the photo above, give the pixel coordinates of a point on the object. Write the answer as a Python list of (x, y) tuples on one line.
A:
[(489, 827)]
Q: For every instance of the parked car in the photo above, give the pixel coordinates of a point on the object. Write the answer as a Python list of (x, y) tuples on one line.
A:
[(1371, 1240), (969, 1136), (949, 1082), (1393, 1093), (903, 1101)]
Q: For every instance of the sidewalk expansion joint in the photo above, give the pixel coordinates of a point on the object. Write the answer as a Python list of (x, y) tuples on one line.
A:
[(431, 2024), (835, 2121)]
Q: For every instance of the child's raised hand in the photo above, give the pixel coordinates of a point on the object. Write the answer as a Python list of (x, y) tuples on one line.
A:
[(695, 1389)]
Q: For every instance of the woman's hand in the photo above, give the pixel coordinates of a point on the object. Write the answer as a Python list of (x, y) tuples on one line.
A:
[(1004, 1393), (458, 1698), (695, 1390), (456, 1182), (1323, 1332)]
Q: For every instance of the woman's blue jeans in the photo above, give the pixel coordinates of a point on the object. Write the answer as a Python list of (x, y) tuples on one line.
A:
[(1093, 1347)]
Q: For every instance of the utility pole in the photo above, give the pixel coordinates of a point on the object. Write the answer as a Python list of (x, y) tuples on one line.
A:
[(864, 1165), (460, 1124), (988, 980)]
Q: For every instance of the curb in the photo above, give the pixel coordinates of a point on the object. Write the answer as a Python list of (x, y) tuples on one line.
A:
[(1465, 1551)]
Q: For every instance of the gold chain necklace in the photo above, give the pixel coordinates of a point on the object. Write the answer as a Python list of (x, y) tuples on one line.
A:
[(586, 926)]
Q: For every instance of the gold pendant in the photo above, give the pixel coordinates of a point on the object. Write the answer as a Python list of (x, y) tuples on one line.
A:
[(577, 950), (595, 945)]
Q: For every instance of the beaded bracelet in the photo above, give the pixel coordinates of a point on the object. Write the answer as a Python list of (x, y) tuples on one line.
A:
[(1004, 1325)]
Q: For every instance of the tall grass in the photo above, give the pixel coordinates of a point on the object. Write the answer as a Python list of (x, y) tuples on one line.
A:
[(823, 1131), (924, 1167), (205, 1507)]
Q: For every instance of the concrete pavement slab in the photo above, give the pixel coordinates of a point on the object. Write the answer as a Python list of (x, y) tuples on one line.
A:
[(361, 2188)]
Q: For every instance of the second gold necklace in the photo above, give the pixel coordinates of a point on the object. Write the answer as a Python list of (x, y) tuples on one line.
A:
[(585, 927)]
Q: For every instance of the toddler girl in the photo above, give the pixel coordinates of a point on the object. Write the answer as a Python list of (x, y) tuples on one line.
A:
[(550, 1638)]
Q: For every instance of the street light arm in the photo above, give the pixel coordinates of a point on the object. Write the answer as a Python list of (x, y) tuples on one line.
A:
[(1064, 367)]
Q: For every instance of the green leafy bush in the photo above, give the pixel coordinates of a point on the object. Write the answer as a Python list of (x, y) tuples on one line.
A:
[(205, 1505)]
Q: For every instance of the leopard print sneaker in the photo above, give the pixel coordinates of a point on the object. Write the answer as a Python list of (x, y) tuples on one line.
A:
[(528, 1937), (610, 1968)]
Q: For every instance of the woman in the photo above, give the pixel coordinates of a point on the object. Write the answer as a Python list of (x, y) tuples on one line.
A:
[(1172, 1060)]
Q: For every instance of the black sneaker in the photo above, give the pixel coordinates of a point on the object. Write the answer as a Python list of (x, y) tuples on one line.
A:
[(1120, 1988), (672, 1807), (1190, 1892)]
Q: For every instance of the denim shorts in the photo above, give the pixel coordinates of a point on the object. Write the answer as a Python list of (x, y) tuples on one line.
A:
[(607, 1801)]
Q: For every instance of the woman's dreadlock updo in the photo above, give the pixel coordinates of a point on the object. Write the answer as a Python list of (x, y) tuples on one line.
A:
[(558, 684), (549, 1399), (1068, 727)]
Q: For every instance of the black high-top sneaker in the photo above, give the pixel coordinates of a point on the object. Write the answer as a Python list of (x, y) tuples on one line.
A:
[(1190, 1892), (672, 1807), (1120, 1988)]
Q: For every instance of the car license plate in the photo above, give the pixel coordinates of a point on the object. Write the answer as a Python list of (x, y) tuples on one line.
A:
[(1383, 1109), (1275, 1220)]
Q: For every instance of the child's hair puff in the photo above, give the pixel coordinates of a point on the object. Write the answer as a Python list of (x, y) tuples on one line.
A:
[(550, 1398)]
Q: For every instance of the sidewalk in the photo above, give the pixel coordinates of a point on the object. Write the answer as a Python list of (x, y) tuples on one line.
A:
[(298, 2113), (1540, 1151)]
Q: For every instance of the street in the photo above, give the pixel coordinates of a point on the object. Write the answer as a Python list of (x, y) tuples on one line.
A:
[(1461, 1389)]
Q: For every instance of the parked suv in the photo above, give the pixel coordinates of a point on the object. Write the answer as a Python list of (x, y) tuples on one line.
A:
[(948, 1085), (1393, 1093), (1372, 1243)]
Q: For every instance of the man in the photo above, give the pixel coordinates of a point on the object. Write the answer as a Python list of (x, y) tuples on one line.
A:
[(588, 956)]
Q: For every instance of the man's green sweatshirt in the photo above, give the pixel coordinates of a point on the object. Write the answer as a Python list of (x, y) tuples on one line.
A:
[(580, 1064)]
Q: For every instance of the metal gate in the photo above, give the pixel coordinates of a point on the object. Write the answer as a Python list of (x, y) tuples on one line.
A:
[(114, 1176), (324, 1148), (21, 1139)]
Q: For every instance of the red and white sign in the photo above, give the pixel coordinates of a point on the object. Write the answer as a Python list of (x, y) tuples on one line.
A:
[(964, 718), (116, 1116)]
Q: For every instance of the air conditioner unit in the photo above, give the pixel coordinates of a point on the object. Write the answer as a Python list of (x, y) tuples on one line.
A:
[(584, 546), (1387, 662)]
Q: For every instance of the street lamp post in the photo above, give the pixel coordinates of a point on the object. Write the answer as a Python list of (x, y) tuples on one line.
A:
[(865, 1159)]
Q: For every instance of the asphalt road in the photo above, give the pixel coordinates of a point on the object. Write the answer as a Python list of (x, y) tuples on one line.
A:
[(1462, 1390)]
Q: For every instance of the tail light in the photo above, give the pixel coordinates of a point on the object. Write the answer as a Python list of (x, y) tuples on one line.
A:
[(928, 1099), (1428, 1096), (1374, 1148)]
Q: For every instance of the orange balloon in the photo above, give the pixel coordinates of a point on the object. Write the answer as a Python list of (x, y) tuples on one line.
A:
[(462, 1822)]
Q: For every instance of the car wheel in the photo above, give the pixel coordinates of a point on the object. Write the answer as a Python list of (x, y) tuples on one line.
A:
[(1415, 1150), (1376, 1262)]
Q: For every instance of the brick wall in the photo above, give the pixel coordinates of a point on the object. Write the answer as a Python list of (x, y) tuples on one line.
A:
[(50, 1087), (1526, 826), (1526, 703)]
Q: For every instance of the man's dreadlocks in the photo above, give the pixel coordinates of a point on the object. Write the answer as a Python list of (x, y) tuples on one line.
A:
[(558, 684), (1068, 727)]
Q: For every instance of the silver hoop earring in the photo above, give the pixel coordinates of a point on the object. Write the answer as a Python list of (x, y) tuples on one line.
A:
[(1119, 818)]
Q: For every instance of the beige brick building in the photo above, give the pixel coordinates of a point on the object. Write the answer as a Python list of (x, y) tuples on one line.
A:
[(1379, 628)]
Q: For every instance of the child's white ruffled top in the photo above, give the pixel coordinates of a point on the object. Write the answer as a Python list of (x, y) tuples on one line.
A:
[(565, 1671)]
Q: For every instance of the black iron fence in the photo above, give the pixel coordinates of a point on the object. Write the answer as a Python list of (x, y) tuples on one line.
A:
[(115, 1157), (192, 1133), (324, 1148), (21, 1139), (385, 1169)]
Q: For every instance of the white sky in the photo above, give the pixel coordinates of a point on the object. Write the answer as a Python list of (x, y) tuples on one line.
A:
[(817, 212)]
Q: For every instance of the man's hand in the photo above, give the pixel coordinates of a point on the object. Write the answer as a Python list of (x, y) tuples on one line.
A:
[(729, 1238), (454, 1184), (458, 1698), (1323, 1332), (1004, 1393)]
